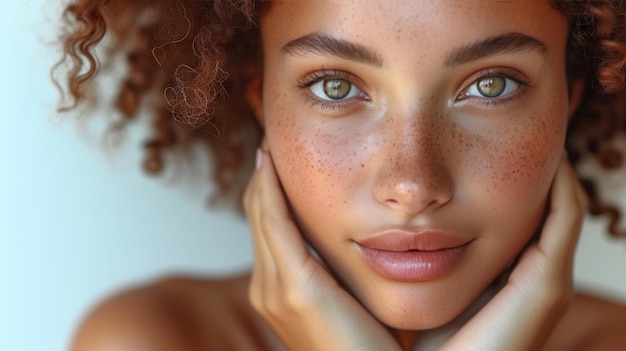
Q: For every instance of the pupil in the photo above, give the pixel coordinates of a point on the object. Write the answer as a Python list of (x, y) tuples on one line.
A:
[(492, 86), (337, 88)]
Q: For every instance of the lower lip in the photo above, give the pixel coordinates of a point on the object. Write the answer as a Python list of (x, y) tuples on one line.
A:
[(413, 266)]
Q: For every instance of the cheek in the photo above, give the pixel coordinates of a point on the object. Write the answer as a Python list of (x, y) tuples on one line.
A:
[(315, 166), (516, 165), (532, 158)]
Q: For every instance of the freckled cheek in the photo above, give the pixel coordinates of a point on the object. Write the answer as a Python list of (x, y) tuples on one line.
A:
[(525, 164), (316, 164)]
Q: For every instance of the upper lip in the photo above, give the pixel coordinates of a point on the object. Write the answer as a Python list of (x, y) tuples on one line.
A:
[(403, 240)]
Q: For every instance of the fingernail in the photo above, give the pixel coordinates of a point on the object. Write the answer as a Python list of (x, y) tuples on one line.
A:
[(259, 157)]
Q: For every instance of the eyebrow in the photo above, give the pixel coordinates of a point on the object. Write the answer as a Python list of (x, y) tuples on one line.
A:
[(506, 43), (321, 44)]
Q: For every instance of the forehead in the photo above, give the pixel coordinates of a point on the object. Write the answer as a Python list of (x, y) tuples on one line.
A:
[(430, 25)]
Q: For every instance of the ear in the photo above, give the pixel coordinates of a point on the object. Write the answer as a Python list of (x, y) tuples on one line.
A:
[(576, 90), (254, 93)]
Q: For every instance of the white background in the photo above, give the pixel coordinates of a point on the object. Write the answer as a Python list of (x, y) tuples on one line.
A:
[(78, 223)]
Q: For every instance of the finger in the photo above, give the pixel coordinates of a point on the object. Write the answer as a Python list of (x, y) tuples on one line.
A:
[(275, 224), (282, 248), (252, 213), (567, 208), (264, 270), (252, 209)]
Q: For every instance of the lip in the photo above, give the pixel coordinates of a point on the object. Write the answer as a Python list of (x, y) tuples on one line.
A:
[(413, 257)]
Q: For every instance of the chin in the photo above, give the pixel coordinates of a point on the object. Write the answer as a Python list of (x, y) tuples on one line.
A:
[(404, 319), (417, 309)]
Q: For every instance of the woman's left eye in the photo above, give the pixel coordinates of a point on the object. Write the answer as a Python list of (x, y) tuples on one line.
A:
[(491, 87), (334, 89)]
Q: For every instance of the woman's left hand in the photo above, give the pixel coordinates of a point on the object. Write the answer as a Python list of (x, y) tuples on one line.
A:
[(540, 288)]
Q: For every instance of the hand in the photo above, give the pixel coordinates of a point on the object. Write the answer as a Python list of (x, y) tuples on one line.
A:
[(540, 287), (293, 292)]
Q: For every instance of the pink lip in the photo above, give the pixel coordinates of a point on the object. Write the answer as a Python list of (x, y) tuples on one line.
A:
[(413, 257)]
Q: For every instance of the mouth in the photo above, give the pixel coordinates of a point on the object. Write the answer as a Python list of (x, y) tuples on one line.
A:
[(411, 257)]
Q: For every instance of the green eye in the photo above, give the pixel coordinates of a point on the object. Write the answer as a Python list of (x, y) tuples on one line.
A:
[(333, 89), (491, 86), (337, 89)]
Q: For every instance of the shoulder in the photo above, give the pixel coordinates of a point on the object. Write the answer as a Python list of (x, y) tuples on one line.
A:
[(175, 313), (143, 318), (592, 323)]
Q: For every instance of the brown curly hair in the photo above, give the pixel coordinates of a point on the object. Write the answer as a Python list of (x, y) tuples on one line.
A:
[(196, 57)]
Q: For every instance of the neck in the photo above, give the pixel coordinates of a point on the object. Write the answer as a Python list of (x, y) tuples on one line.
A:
[(407, 338)]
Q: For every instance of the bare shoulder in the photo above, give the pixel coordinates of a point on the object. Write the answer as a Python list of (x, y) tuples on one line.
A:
[(176, 313), (592, 323)]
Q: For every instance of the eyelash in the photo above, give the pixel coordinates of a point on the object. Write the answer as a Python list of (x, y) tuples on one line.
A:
[(324, 75), (503, 72)]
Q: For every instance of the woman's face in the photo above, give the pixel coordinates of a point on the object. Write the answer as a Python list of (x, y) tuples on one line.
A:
[(416, 141)]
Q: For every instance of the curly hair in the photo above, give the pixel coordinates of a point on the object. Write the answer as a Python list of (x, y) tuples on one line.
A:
[(197, 56)]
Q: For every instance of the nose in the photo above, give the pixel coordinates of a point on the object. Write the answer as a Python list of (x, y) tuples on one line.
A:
[(413, 176)]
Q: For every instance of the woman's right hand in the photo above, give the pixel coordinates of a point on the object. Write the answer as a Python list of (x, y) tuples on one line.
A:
[(291, 289)]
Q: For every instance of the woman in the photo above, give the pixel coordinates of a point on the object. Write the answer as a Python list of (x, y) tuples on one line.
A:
[(417, 147)]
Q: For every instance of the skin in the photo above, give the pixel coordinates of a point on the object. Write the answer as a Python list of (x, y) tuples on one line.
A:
[(411, 153), (407, 152)]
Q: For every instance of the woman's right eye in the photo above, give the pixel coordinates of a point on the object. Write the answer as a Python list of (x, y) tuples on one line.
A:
[(334, 89)]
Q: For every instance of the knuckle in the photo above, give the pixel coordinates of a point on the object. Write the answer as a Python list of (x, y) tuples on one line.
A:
[(275, 307), (566, 300), (268, 222), (256, 300), (289, 302), (295, 300), (561, 294), (574, 207)]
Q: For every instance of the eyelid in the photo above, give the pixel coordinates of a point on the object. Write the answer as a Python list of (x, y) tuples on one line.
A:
[(505, 72), (327, 74), (318, 75)]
